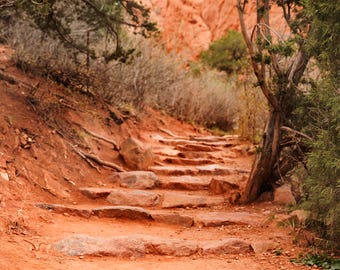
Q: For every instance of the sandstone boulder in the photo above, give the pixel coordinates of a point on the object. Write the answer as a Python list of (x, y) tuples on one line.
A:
[(136, 155), (284, 195)]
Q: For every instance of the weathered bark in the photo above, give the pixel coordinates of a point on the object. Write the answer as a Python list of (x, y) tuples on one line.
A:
[(265, 159)]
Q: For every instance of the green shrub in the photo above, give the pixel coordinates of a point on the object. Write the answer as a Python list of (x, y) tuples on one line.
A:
[(322, 182), (226, 54)]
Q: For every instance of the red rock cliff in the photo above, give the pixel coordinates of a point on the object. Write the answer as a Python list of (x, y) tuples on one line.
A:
[(189, 26)]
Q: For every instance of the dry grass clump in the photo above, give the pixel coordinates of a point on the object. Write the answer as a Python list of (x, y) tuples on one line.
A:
[(150, 78)]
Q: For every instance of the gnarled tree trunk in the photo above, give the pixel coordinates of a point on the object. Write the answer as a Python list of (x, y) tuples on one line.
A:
[(266, 157)]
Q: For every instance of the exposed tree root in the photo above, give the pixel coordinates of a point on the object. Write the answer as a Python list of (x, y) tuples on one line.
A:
[(115, 145), (80, 153), (89, 157), (104, 163)]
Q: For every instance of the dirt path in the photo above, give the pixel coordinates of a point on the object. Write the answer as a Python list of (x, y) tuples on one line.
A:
[(57, 212)]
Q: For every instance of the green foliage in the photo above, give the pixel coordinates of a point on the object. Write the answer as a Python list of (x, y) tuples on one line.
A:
[(319, 115), (226, 54), (320, 260), (322, 183), (325, 33)]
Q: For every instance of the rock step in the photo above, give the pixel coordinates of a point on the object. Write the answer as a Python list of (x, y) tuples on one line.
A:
[(212, 169), (136, 179), (186, 161), (185, 182), (198, 218), (124, 212), (196, 148), (163, 199), (95, 193), (177, 200), (215, 138), (181, 142), (140, 245)]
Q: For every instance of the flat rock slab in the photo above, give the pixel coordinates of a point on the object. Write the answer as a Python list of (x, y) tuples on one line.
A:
[(133, 198), (123, 246), (172, 200), (185, 182), (214, 219), (71, 210), (141, 245), (214, 169), (95, 193), (196, 148), (227, 246), (172, 218), (214, 138), (177, 170), (186, 161), (136, 179), (174, 170), (167, 152), (125, 212)]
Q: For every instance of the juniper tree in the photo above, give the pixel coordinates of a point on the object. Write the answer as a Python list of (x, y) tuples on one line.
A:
[(279, 62)]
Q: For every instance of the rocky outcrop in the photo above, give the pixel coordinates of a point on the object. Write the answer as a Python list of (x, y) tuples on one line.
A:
[(189, 26)]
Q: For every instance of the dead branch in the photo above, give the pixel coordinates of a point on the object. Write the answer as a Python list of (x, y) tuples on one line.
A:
[(296, 132), (115, 145)]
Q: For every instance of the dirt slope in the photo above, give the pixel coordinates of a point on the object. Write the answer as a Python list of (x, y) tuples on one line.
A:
[(43, 128)]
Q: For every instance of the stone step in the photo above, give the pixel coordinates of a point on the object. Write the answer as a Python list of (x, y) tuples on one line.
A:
[(197, 142), (176, 200), (137, 246), (211, 169), (159, 198), (215, 219), (186, 161), (184, 218), (196, 148), (185, 182), (215, 138), (95, 192), (136, 179), (124, 212), (134, 198)]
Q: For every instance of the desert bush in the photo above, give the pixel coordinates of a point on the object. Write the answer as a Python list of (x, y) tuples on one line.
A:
[(150, 77)]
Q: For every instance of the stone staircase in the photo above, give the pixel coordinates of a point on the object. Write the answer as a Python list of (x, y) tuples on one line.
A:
[(191, 186)]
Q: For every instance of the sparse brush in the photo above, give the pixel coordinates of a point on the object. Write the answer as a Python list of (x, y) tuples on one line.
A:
[(150, 78)]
